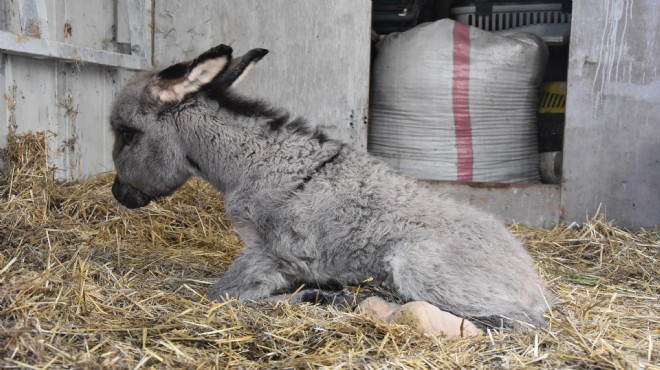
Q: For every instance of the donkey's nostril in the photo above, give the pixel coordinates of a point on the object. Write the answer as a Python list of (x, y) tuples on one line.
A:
[(136, 202), (129, 196)]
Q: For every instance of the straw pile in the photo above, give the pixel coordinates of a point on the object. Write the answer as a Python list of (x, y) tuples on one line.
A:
[(85, 283)]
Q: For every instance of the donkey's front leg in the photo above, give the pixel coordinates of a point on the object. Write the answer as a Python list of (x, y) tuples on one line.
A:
[(252, 276)]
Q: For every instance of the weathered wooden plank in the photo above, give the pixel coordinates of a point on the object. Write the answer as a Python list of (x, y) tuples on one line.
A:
[(84, 101), (89, 23), (612, 136), (29, 92), (138, 28), (4, 9), (318, 66), (34, 21), (69, 102), (122, 33), (53, 85), (10, 18), (19, 44), (6, 106)]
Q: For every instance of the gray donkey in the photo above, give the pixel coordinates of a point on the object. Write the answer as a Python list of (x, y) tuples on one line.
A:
[(308, 208)]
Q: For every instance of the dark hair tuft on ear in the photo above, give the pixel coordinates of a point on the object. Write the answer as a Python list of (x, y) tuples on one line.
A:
[(212, 53), (174, 72)]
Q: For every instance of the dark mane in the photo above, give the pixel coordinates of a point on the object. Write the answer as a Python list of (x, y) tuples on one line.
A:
[(276, 119)]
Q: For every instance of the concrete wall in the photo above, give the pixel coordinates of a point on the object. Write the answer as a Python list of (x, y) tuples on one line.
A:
[(612, 136), (318, 65), (530, 204)]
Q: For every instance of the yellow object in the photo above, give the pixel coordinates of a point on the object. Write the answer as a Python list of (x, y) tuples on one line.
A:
[(553, 97)]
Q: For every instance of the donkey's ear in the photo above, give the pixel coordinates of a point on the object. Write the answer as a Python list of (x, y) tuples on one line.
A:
[(175, 82), (238, 69)]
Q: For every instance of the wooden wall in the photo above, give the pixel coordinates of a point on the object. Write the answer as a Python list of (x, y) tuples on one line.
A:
[(67, 97), (318, 65), (319, 68), (612, 137)]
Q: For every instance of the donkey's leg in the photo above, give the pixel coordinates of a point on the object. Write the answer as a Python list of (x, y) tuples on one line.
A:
[(341, 298), (460, 280), (253, 275), (256, 276)]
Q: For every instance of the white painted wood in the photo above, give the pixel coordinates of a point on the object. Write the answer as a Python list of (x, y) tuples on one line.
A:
[(85, 98), (138, 28), (17, 44), (122, 33), (4, 9), (29, 95), (11, 16), (64, 82), (34, 22), (92, 23), (318, 65), (7, 105), (612, 135), (132, 26)]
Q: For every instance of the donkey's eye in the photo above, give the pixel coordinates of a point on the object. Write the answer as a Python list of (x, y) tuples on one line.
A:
[(128, 134)]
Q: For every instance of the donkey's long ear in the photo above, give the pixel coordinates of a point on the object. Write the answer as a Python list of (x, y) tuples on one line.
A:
[(175, 82), (238, 69)]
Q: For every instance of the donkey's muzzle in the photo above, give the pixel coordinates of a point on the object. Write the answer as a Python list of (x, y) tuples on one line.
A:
[(129, 196)]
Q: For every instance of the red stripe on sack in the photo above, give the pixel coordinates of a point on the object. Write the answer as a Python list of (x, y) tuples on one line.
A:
[(461, 101)]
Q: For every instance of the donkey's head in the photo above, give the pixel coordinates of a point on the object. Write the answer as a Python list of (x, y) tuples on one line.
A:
[(149, 155)]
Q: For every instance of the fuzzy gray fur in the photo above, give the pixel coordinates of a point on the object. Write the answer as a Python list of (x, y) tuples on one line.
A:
[(312, 209)]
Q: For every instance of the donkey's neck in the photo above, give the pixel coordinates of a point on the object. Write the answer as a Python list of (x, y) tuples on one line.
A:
[(244, 153), (212, 147)]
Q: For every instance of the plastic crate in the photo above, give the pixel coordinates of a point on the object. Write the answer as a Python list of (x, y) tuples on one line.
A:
[(395, 15), (548, 19)]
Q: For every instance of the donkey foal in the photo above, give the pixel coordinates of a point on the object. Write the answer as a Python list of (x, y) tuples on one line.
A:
[(310, 209)]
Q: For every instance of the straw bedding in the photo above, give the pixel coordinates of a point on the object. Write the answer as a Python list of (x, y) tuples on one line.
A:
[(86, 283)]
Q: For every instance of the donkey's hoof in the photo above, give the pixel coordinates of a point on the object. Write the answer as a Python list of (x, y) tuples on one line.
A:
[(342, 298)]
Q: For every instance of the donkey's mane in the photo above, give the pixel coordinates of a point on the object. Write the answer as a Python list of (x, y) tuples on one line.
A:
[(276, 118)]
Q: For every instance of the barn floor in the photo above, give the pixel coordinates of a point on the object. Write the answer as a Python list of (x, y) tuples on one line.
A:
[(85, 283)]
